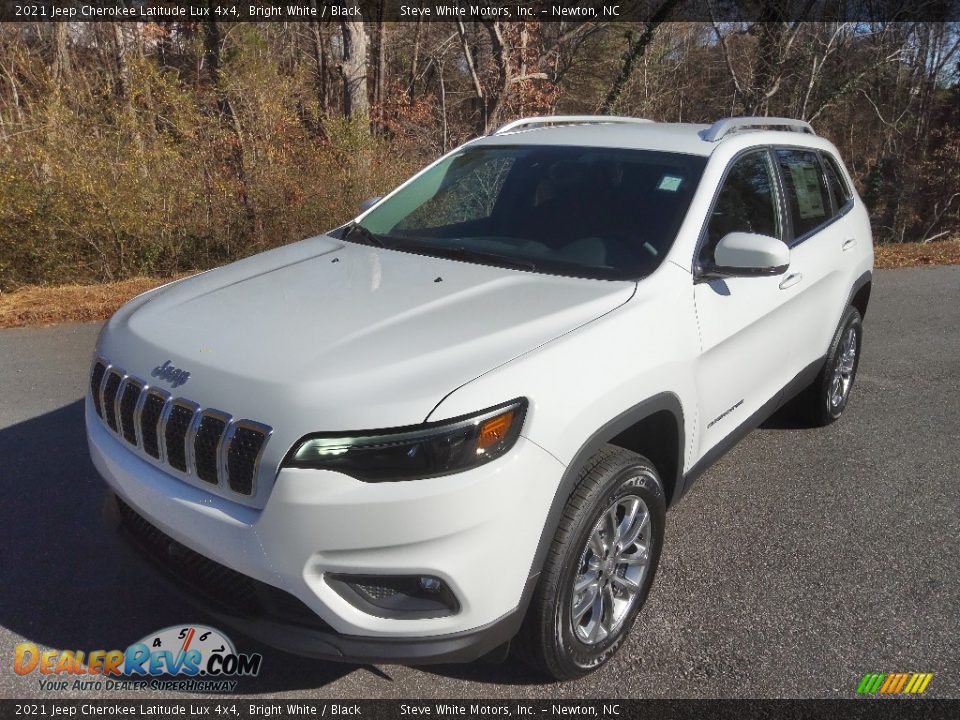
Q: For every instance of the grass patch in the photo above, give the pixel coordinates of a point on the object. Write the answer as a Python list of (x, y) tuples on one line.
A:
[(38, 305), (940, 252)]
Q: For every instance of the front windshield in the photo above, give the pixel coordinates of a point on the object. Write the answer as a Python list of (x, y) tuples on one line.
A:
[(587, 212)]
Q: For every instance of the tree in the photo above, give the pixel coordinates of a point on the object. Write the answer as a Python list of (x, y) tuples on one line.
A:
[(353, 69), (638, 47)]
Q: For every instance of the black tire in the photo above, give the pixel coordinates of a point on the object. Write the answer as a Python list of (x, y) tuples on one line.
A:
[(549, 639), (816, 405)]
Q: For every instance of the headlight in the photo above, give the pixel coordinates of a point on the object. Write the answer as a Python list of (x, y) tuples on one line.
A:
[(412, 453)]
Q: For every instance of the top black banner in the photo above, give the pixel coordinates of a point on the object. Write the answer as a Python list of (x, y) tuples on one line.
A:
[(484, 10)]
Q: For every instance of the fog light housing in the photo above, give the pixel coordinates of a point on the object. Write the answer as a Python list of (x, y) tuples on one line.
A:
[(396, 597)]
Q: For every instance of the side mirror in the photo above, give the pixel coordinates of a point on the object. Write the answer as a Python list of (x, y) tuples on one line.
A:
[(369, 203), (741, 254)]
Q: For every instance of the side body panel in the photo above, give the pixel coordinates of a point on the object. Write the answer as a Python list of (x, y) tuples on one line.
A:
[(746, 325)]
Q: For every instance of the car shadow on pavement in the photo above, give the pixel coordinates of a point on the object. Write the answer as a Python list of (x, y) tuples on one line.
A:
[(788, 417), (509, 672), (68, 584)]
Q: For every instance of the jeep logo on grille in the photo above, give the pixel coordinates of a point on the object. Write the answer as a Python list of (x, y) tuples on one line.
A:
[(169, 373)]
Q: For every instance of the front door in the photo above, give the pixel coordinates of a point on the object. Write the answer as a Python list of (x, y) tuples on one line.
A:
[(745, 324)]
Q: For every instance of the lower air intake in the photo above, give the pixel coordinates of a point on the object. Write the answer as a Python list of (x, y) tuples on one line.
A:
[(226, 588)]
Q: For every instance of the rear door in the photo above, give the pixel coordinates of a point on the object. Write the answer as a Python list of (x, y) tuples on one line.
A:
[(745, 328), (820, 242)]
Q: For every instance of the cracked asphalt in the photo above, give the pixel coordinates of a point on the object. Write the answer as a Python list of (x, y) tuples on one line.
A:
[(801, 561)]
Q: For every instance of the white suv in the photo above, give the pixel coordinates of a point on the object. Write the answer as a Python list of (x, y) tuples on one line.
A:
[(459, 419)]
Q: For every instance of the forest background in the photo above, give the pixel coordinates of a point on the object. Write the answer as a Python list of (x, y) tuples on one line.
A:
[(131, 149)]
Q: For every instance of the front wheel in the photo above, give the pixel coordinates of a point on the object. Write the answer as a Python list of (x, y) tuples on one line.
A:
[(600, 567)]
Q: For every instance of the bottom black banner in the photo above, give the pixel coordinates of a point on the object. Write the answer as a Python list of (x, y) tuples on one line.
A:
[(605, 709)]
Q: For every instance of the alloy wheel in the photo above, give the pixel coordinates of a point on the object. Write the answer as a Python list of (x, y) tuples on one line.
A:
[(843, 371), (611, 570)]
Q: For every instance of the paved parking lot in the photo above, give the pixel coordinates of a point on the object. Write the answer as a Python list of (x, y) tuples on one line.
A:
[(801, 561)]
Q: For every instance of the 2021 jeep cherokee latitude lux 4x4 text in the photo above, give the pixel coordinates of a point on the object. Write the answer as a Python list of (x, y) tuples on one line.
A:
[(459, 419)]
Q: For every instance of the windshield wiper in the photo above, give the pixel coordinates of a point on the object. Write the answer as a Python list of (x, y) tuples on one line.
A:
[(459, 252), (358, 233)]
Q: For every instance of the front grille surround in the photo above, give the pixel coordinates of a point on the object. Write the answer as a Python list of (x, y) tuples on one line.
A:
[(175, 447)]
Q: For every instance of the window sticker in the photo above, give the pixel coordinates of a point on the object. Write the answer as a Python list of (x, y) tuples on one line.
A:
[(670, 183), (806, 181)]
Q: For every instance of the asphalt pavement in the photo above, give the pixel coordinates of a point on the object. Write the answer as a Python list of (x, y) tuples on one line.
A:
[(800, 562)]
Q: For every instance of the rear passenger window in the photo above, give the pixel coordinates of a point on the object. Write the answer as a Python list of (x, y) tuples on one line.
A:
[(746, 203), (839, 190), (806, 189)]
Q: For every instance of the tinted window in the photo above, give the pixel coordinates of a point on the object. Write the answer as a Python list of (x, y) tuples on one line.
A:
[(746, 203), (806, 190), (835, 182), (587, 212)]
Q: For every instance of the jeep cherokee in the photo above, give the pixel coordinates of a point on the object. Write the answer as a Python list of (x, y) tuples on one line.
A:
[(459, 419)]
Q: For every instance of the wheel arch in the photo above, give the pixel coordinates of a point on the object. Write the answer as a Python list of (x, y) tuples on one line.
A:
[(860, 293), (653, 428)]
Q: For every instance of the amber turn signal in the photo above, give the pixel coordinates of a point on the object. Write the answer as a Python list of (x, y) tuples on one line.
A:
[(494, 430)]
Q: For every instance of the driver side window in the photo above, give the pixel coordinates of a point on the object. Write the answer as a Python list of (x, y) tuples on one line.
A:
[(746, 203)]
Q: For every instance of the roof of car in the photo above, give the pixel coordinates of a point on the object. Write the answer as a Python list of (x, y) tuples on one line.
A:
[(632, 133)]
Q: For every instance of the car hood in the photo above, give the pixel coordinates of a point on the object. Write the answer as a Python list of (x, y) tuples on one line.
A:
[(329, 335)]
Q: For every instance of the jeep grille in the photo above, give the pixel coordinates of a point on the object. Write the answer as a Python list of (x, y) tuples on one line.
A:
[(176, 432)]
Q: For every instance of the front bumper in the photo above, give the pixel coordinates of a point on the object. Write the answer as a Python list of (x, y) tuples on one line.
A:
[(278, 619), (477, 531)]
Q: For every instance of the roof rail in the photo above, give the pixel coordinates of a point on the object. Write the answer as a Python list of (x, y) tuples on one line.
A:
[(568, 120), (726, 126)]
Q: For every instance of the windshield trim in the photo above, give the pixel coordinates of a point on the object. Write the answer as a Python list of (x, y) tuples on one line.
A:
[(569, 270)]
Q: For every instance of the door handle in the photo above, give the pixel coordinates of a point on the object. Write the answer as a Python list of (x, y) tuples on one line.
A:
[(848, 243), (791, 280)]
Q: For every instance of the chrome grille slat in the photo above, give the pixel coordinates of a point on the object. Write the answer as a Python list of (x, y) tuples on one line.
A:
[(151, 413), (138, 413), (243, 455), (176, 432), (111, 386), (96, 385), (162, 429), (206, 444), (190, 441), (128, 398)]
